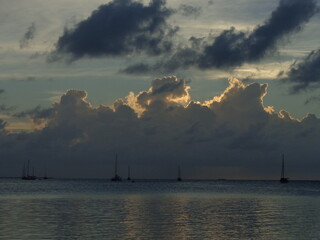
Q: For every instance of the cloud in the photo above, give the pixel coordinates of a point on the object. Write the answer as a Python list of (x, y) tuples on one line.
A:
[(305, 75), (165, 90), (183, 58), (138, 68), (3, 124), (119, 28), (233, 48), (3, 107), (156, 129), (312, 99), (38, 115), (188, 10), (28, 36)]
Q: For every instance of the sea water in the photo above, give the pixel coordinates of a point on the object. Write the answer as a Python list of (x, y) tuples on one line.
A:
[(101, 209)]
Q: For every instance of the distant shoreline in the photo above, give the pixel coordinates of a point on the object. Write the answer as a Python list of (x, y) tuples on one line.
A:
[(173, 180)]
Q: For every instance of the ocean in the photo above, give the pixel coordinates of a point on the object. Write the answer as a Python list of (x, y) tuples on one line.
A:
[(101, 209)]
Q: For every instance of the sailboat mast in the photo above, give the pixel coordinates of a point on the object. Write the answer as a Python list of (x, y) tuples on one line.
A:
[(282, 169), (28, 167), (24, 170), (128, 172), (179, 174), (116, 166)]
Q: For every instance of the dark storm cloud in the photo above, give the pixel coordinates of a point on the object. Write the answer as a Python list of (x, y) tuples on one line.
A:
[(159, 127), (28, 36), (189, 11), (118, 28), (305, 74), (232, 48)]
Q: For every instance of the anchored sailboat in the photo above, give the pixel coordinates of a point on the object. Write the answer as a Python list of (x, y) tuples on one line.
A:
[(283, 179), (179, 174), (116, 177), (25, 172), (129, 178)]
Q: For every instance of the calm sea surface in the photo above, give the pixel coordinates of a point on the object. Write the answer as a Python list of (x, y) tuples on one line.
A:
[(100, 209)]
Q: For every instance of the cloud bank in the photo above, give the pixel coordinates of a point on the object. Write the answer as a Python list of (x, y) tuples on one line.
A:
[(232, 135)]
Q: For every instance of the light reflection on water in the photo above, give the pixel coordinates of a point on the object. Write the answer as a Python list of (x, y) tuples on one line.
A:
[(158, 210)]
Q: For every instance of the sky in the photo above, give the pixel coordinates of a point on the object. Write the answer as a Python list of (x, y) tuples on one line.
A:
[(221, 88)]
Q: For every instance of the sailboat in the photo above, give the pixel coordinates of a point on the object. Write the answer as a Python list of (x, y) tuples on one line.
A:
[(25, 172), (116, 177), (283, 179), (179, 174), (129, 178)]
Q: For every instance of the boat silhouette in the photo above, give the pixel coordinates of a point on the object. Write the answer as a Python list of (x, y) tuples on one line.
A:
[(283, 179), (25, 172), (116, 177), (179, 174), (128, 178)]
